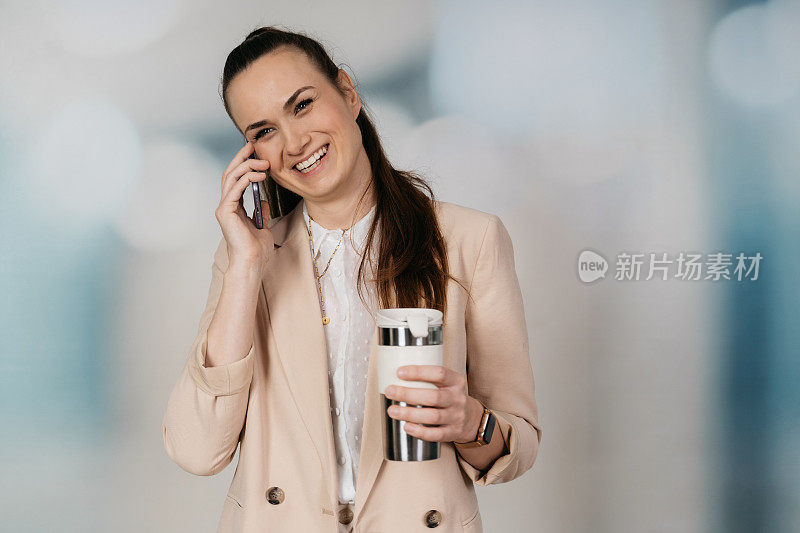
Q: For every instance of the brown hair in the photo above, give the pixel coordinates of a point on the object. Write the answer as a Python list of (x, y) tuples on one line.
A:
[(412, 256)]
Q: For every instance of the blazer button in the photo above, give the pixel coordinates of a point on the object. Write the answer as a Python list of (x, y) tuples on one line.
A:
[(346, 515), (433, 518), (275, 495)]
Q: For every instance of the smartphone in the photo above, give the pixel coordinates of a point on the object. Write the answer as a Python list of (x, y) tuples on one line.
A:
[(256, 186)]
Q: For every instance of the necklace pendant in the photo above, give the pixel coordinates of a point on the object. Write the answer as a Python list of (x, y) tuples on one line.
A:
[(325, 320)]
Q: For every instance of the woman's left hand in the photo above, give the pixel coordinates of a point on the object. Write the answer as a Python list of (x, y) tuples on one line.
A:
[(456, 414)]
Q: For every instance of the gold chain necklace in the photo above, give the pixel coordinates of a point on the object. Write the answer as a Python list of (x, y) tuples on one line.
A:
[(325, 318)]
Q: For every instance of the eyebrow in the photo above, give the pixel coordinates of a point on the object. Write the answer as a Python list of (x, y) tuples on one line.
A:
[(286, 106)]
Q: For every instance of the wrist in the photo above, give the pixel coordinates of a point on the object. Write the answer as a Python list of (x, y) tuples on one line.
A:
[(476, 416), (244, 267)]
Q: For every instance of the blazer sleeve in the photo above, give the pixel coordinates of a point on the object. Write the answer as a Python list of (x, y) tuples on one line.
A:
[(206, 409), (499, 371)]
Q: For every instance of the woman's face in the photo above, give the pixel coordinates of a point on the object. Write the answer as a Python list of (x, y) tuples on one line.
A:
[(291, 112)]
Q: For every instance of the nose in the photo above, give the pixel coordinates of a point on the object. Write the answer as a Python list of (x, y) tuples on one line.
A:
[(296, 142)]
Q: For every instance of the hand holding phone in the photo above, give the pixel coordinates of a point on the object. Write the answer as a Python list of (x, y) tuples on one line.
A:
[(246, 237), (258, 217)]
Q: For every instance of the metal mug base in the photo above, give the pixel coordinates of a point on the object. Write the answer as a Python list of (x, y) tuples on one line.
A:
[(399, 445)]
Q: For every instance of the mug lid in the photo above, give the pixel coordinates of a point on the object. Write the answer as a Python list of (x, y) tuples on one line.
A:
[(417, 319)]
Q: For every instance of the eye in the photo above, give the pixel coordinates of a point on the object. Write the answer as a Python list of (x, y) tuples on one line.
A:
[(260, 134), (304, 103)]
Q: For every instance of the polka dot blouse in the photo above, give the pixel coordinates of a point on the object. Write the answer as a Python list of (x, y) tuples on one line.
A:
[(348, 338)]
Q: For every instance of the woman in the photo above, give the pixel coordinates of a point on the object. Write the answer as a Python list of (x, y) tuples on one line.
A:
[(284, 359)]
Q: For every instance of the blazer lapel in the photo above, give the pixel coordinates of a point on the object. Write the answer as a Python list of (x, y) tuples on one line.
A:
[(371, 455), (293, 300), (296, 321)]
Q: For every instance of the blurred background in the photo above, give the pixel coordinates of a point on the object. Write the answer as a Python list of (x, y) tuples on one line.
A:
[(637, 126)]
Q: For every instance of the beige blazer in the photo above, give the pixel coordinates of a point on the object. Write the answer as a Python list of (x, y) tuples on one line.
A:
[(275, 401)]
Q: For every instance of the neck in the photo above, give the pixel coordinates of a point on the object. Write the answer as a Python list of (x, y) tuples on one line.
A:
[(348, 207)]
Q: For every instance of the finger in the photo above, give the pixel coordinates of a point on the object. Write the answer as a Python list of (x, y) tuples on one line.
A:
[(430, 434), (243, 153), (418, 396), (421, 415), (253, 165), (234, 195), (437, 374)]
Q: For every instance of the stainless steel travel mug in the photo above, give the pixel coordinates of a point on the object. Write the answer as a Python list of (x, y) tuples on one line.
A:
[(406, 336)]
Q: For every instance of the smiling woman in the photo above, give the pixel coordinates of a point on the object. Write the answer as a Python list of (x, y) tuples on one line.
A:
[(287, 97), (311, 456)]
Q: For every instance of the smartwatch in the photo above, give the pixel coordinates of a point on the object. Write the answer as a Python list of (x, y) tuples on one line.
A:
[(485, 431)]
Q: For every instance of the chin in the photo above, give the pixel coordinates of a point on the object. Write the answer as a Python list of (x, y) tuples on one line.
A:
[(325, 188)]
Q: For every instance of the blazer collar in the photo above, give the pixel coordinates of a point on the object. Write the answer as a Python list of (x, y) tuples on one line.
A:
[(295, 319)]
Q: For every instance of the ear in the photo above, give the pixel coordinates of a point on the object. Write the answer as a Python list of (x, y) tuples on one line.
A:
[(350, 93)]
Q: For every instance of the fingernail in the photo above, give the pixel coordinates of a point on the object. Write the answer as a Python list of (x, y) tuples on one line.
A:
[(402, 372)]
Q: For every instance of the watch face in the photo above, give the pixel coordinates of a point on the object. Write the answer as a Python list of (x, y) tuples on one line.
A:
[(487, 433)]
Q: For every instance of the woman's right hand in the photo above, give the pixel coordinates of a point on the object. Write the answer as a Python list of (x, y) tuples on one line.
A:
[(246, 243)]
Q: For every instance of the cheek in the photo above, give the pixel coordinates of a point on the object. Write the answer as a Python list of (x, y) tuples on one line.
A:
[(270, 155), (349, 133), (357, 141), (339, 122)]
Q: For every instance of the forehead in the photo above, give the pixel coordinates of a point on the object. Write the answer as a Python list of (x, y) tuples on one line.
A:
[(260, 91)]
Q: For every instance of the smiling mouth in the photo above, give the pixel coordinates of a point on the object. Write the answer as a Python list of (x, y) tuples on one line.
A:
[(320, 154)]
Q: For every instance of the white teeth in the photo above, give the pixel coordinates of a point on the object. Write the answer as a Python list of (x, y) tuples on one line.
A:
[(313, 159)]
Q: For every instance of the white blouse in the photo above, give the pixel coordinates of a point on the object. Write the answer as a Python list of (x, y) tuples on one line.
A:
[(348, 335)]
